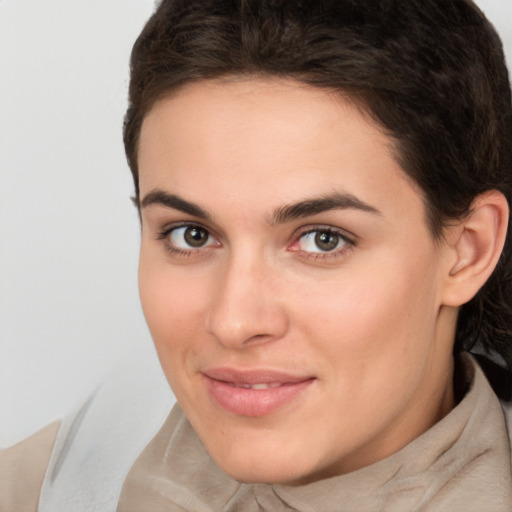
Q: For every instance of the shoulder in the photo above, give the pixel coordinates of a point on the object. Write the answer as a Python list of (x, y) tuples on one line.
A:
[(500, 380), (22, 470), (98, 442)]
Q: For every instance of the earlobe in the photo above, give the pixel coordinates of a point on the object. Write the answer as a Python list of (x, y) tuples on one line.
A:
[(476, 244)]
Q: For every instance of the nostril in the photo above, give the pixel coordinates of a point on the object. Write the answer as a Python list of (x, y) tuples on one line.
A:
[(256, 326), (259, 338)]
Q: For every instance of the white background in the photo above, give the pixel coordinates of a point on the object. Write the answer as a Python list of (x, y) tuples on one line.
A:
[(69, 308)]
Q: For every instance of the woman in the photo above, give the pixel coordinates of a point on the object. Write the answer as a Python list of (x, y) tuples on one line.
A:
[(324, 193)]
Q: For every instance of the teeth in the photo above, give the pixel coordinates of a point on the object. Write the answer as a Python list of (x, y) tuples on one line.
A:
[(262, 385)]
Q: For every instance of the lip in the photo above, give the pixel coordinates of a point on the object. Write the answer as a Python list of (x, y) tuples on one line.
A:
[(229, 388)]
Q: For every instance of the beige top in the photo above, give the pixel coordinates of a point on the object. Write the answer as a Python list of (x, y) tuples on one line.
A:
[(22, 470), (462, 463)]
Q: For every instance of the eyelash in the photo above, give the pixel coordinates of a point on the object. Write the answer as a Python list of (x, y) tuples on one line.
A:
[(348, 242), (176, 251)]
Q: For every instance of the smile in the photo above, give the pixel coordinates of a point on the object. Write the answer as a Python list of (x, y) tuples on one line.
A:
[(253, 393), (255, 386)]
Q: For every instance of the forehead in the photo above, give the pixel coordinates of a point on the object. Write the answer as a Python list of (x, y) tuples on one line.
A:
[(265, 143)]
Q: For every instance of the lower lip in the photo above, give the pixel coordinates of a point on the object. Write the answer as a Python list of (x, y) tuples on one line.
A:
[(254, 402)]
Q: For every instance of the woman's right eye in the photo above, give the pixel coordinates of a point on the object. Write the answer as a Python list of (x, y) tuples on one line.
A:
[(188, 238)]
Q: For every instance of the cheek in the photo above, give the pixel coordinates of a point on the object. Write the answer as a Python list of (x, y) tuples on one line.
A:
[(375, 339), (370, 319), (173, 314), (171, 304)]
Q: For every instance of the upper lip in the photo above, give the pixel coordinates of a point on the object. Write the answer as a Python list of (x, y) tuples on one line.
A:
[(253, 375)]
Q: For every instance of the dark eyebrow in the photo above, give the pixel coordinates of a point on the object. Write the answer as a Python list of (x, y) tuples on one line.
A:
[(282, 215), (317, 205), (161, 198)]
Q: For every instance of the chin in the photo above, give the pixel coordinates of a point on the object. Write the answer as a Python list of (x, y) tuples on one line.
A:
[(263, 470), (262, 475)]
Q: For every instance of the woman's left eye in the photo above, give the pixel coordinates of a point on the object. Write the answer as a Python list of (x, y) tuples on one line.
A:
[(321, 241)]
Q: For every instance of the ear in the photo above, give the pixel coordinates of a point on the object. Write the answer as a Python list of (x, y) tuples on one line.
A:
[(475, 245)]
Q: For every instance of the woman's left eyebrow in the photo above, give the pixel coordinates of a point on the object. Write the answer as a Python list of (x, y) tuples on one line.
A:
[(315, 205)]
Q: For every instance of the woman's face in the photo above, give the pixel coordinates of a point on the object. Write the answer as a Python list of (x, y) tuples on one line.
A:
[(291, 285)]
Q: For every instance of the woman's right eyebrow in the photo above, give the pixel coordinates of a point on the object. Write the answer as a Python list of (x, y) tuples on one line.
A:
[(167, 200)]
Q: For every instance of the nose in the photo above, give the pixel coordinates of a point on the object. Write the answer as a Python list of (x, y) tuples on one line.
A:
[(246, 308)]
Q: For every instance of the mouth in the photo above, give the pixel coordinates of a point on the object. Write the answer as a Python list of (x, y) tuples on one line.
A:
[(261, 385), (254, 393)]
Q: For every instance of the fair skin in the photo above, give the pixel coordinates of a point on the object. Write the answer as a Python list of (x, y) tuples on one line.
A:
[(301, 342)]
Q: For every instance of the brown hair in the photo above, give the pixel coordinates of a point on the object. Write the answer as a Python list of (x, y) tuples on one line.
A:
[(430, 72)]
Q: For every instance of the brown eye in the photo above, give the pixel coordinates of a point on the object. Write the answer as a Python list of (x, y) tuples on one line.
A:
[(322, 241), (189, 237), (196, 236), (326, 240)]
